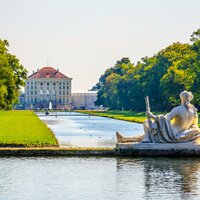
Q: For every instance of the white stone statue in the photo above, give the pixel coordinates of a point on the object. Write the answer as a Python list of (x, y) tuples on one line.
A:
[(180, 125)]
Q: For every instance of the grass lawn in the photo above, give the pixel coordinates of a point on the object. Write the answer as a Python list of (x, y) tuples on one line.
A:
[(24, 128), (131, 116)]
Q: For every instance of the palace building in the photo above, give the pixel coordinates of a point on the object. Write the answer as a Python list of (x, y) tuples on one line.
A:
[(48, 85), (84, 100)]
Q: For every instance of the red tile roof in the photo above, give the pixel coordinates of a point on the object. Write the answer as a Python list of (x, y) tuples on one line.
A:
[(48, 72)]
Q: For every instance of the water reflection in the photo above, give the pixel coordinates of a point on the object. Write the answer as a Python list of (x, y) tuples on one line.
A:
[(166, 178), (99, 178)]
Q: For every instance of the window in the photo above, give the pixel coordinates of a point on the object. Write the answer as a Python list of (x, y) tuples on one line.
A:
[(41, 83), (63, 87), (54, 84), (64, 92), (35, 87), (47, 83)]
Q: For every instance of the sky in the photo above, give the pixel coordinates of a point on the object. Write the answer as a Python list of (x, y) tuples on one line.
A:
[(85, 37)]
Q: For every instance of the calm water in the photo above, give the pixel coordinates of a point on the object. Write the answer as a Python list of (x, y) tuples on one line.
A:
[(99, 178), (85, 131), (93, 178)]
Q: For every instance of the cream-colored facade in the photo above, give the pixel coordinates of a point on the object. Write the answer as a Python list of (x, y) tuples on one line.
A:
[(39, 92), (84, 100)]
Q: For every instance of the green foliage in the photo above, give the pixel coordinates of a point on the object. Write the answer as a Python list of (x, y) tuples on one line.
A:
[(12, 76), (24, 128), (162, 77), (195, 36)]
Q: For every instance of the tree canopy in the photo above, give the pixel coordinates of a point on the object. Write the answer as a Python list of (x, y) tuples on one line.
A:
[(161, 77), (12, 76)]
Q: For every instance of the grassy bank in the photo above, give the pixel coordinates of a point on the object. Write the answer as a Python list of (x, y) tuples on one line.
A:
[(24, 128), (131, 116)]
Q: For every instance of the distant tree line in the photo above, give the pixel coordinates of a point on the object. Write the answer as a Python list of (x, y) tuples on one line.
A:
[(12, 76), (161, 77)]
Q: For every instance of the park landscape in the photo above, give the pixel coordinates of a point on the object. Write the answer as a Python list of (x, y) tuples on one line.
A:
[(122, 87), (143, 139)]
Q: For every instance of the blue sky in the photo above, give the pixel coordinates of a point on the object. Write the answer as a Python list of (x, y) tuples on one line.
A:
[(84, 37)]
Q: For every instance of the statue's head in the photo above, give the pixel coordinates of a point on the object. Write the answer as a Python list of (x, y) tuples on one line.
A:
[(186, 96)]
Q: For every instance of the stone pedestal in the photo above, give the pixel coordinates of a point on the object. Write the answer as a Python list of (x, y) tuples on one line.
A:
[(158, 149)]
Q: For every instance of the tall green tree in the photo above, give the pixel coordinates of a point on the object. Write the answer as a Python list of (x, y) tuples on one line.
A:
[(162, 77), (12, 76), (108, 93)]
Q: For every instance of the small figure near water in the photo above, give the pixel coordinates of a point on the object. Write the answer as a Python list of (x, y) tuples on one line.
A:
[(47, 112), (180, 125)]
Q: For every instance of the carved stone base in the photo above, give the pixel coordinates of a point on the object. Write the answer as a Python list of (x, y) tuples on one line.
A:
[(158, 149)]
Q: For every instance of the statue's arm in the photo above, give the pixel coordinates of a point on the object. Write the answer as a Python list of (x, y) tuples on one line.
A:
[(151, 115), (171, 115)]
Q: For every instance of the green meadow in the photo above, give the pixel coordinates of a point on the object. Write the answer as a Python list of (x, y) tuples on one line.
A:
[(25, 129)]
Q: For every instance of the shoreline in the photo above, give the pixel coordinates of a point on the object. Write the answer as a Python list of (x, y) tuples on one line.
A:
[(55, 151), (100, 152), (118, 115)]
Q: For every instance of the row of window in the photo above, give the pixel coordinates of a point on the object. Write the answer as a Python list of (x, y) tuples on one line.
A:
[(35, 100), (47, 92), (43, 83), (41, 87)]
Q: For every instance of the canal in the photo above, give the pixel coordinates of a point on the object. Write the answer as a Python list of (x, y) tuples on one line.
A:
[(73, 129)]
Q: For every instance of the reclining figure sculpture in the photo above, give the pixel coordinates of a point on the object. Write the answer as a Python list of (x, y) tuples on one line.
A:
[(180, 125)]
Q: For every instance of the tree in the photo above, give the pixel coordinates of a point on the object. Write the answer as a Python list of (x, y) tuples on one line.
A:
[(195, 36), (12, 76), (162, 77), (108, 94)]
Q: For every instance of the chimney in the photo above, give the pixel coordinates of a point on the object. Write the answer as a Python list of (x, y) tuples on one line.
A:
[(58, 69), (33, 72), (37, 69)]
